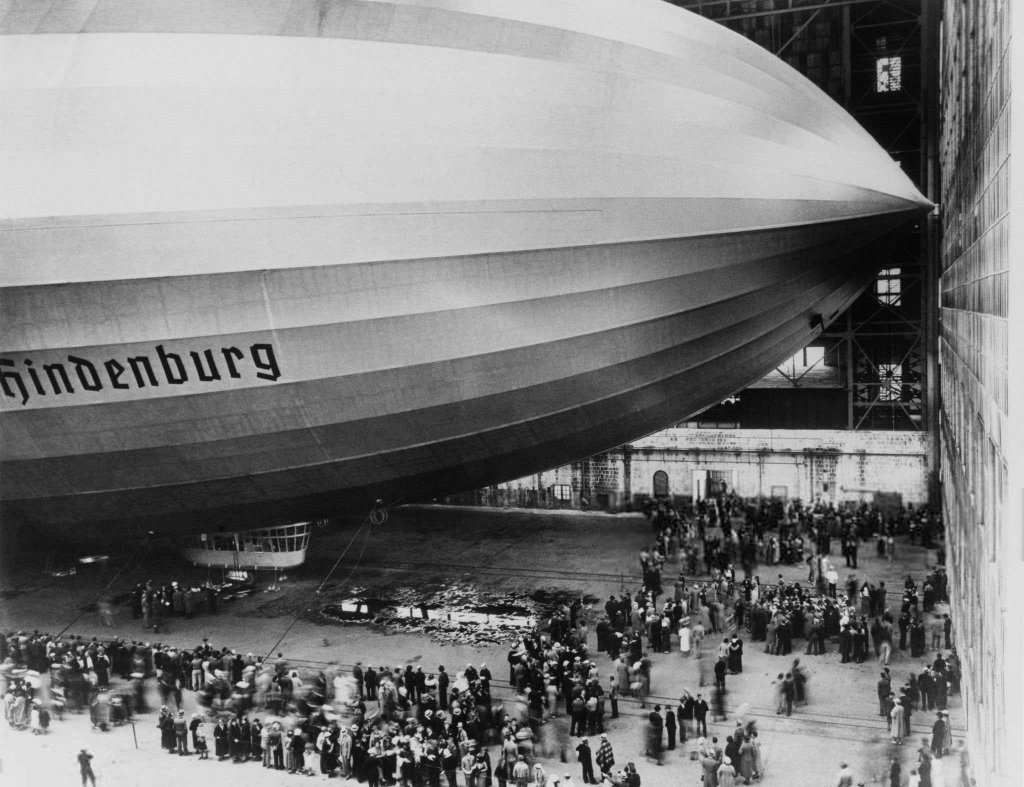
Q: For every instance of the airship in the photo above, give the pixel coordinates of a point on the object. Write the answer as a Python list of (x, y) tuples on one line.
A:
[(262, 262)]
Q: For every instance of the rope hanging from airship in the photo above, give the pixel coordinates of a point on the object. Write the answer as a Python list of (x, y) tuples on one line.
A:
[(134, 562), (378, 515)]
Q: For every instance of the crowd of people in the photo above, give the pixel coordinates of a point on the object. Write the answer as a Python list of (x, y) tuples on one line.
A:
[(404, 725), (381, 726)]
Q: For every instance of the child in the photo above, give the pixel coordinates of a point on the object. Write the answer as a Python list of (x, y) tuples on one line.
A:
[(200, 742)]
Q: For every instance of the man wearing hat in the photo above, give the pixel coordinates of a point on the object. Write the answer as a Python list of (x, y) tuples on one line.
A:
[(700, 715), (442, 688), (181, 734), (939, 729), (586, 760)]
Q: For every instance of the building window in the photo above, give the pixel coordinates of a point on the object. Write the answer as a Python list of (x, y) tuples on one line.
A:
[(891, 378), (562, 491), (889, 74), (888, 286)]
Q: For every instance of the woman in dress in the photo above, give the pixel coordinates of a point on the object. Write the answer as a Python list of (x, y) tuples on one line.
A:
[(684, 636), (726, 773), (746, 760), (896, 730), (166, 725), (736, 655), (758, 760)]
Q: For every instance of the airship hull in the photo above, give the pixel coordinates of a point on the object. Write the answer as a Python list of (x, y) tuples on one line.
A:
[(450, 281)]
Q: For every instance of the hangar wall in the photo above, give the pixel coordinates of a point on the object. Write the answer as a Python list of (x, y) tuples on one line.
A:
[(977, 419), (832, 466)]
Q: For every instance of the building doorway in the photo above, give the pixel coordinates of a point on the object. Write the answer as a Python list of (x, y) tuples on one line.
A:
[(660, 484)]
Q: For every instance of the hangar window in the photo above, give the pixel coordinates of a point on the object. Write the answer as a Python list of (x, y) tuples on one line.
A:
[(891, 378), (888, 286), (889, 74)]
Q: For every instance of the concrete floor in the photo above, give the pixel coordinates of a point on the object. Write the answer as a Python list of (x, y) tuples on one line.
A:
[(431, 548)]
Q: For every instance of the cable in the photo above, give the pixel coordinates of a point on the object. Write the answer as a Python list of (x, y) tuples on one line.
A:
[(132, 561), (378, 515), (342, 555)]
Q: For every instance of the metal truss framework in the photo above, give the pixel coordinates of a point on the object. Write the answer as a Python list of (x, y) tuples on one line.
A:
[(878, 58)]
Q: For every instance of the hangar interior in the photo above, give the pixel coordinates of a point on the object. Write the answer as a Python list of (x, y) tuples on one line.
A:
[(915, 376), (909, 392)]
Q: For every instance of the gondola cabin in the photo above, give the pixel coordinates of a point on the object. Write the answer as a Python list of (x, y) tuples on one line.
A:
[(268, 548)]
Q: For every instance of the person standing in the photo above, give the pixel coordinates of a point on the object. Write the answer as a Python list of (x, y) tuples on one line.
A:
[(469, 770), (670, 728), (220, 740), (275, 742), (442, 688), (895, 773), (684, 714), (884, 689), (85, 767), (586, 760), (904, 625), (720, 669), (655, 727), (357, 676), (788, 692), (605, 756), (578, 719), (726, 773), (520, 772), (195, 726), (939, 735), (181, 734), (898, 721), (735, 656), (746, 760), (709, 764), (700, 716), (613, 695)]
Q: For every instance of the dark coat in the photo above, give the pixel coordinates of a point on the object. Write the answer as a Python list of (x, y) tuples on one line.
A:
[(220, 740)]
